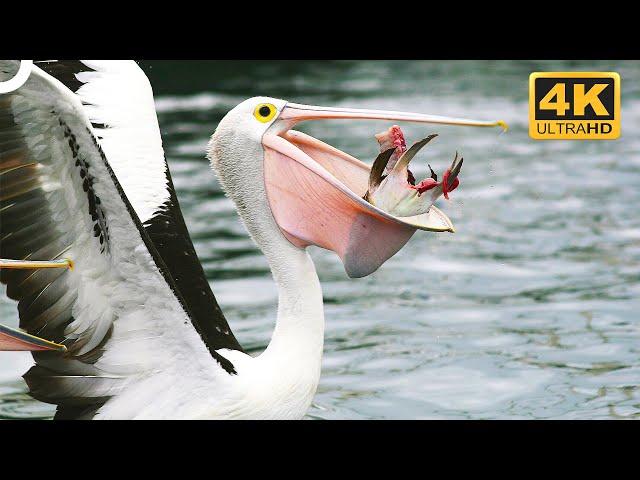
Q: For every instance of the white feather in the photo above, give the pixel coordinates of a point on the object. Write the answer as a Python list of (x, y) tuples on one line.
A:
[(118, 94), (120, 289), (153, 361)]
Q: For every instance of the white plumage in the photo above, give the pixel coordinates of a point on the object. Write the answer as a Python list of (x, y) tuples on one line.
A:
[(83, 176), (117, 94), (130, 340)]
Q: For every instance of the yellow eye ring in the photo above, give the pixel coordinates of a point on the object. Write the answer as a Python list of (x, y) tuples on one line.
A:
[(265, 112)]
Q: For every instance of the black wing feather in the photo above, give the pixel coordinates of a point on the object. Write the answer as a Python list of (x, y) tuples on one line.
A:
[(31, 192), (170, 236)]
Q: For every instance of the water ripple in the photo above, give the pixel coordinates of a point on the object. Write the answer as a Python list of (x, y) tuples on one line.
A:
[(529, 311)]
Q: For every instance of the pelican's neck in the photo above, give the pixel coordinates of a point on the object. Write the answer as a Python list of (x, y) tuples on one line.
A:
[(290, 366), (299, 332)]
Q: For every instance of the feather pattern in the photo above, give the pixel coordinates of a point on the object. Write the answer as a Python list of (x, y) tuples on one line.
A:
[(119, 312), (118, 99)]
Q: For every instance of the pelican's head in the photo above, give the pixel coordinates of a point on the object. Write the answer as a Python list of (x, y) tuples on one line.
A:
[(309, 192)]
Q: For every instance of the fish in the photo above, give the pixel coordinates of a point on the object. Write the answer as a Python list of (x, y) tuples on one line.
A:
[(393, 187)]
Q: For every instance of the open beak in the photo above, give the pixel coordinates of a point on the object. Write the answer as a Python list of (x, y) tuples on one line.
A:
[(316, 191)]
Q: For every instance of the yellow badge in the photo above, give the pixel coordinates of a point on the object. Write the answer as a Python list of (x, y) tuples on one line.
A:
[(574, 105)]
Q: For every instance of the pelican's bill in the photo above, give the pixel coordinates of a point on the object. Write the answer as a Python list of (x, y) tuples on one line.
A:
[(17, 340), (29, 264)]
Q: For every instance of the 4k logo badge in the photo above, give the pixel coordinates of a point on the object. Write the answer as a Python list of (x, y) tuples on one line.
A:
[(574, 105)]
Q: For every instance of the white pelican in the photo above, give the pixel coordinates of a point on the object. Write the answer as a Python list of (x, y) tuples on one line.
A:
[(124, 324)]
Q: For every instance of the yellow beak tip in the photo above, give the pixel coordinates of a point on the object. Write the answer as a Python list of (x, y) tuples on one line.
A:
[(503, 124)]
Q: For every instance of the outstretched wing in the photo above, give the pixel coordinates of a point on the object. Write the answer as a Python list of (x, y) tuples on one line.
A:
[(118, 311), (117, 98)]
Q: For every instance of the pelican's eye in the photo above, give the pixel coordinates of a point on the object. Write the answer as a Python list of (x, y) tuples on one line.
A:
[(265, 112)]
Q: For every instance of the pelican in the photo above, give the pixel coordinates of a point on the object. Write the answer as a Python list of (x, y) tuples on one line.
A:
[(112, 299)]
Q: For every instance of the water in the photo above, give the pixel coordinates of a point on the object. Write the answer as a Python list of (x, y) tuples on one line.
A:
[(528, 311)]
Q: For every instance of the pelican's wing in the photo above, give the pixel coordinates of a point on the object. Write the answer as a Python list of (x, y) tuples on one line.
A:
[(117, 98), (118, 311)]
